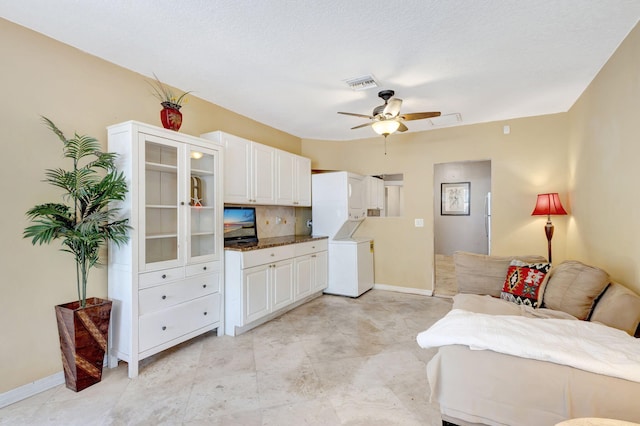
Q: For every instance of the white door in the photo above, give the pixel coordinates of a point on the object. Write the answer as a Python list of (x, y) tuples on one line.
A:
[(303, 181), (237, 166), (285, 178), (161, 223), (304, 275), (263, 174), (203, 197), (256, 295), (320, 269), (282, 284)]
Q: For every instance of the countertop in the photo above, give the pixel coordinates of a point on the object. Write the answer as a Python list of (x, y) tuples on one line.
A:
[(264, 243)]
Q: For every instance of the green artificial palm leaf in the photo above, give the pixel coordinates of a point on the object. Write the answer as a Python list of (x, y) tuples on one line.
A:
[(90, 220)]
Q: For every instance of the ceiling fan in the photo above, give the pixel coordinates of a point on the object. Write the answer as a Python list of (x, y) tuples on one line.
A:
[(386, 118)]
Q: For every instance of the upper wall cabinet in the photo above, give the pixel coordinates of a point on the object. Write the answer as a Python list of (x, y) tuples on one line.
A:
[(375, 193), (293, 179), (259, 174)]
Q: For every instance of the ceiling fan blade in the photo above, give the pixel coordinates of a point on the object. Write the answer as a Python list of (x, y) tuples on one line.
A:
[(362, 125), (419, 115), (402, 128), (392, 108), (356, 115)]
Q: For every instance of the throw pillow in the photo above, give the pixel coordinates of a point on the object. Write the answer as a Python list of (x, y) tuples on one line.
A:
[(619, 307), (484, 274), (573, 288), (524, 281)]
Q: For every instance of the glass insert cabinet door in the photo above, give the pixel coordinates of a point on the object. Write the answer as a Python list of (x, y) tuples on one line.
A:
[(202, 204), (161, 224)]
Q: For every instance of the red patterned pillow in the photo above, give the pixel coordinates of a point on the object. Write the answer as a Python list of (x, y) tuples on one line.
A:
[(524, 282)]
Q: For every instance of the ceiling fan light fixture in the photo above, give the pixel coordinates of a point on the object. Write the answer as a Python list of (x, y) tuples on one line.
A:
[(385, 127)]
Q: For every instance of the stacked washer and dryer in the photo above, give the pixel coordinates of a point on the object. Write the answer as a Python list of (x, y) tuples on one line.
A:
[(338, 208)]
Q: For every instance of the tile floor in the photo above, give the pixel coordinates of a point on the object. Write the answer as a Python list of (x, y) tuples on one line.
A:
[(332, 361)]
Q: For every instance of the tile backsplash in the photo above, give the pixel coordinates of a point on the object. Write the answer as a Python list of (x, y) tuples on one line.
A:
[(280, 221)]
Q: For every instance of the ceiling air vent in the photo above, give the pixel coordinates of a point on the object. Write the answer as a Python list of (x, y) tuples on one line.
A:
[(362, 83)]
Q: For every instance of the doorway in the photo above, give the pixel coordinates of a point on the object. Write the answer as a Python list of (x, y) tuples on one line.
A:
[(462, 217)]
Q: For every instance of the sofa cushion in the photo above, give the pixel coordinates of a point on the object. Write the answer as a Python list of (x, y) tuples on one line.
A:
[(573, 288), (483, 274), (618, 307), (524, 282)]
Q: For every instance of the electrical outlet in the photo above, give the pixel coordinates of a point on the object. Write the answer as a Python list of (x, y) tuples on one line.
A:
[(419, 223)]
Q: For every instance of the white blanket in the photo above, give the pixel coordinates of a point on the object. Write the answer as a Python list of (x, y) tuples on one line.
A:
[(581, 344)]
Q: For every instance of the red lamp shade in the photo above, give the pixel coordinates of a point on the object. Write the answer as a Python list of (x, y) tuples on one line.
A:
[(548, 204)]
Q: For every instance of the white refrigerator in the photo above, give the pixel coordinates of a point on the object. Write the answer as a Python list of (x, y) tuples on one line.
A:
[(338, 207)]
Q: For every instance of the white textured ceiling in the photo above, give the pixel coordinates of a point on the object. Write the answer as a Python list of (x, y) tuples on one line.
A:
[(284, 62)]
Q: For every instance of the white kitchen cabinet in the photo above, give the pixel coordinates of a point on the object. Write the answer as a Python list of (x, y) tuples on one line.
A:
[(261, 284), (310, 267), (249, 170), (293, 180), (260, 174), (268, 288), (166, 282), (375, 193)]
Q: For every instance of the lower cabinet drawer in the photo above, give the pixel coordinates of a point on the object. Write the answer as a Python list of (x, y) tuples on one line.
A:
[(268, 255), (163, 296), (149, 279), (159, 327), (310, 247)]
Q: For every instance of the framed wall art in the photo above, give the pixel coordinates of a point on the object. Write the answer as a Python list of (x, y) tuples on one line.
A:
[(455, 198)]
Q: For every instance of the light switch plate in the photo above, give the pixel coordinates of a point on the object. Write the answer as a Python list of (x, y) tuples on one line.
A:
[(419, 223)]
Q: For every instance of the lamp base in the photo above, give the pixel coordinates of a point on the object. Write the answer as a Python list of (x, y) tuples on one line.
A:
[(548, 230)]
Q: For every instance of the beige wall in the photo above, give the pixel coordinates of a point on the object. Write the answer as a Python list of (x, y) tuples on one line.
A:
[(604, 173), (529, 160), (79, 93)]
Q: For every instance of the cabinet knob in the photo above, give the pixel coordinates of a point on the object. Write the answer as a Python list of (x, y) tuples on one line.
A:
[(164, 327), (164, 297), (204, 286), (272, 254), (182, 203), (164, 276), (204, 268), (205, 312)]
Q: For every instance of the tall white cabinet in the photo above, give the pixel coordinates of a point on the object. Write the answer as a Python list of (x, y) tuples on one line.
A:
[(167, 283)]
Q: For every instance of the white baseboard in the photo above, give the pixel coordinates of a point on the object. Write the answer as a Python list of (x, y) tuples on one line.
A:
[(409, 290), (30, 389)]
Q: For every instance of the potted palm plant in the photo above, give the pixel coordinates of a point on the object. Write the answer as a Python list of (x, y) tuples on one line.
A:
[(84, 222)]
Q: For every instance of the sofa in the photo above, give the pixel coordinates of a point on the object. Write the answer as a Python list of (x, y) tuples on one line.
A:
[(530, 344)]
